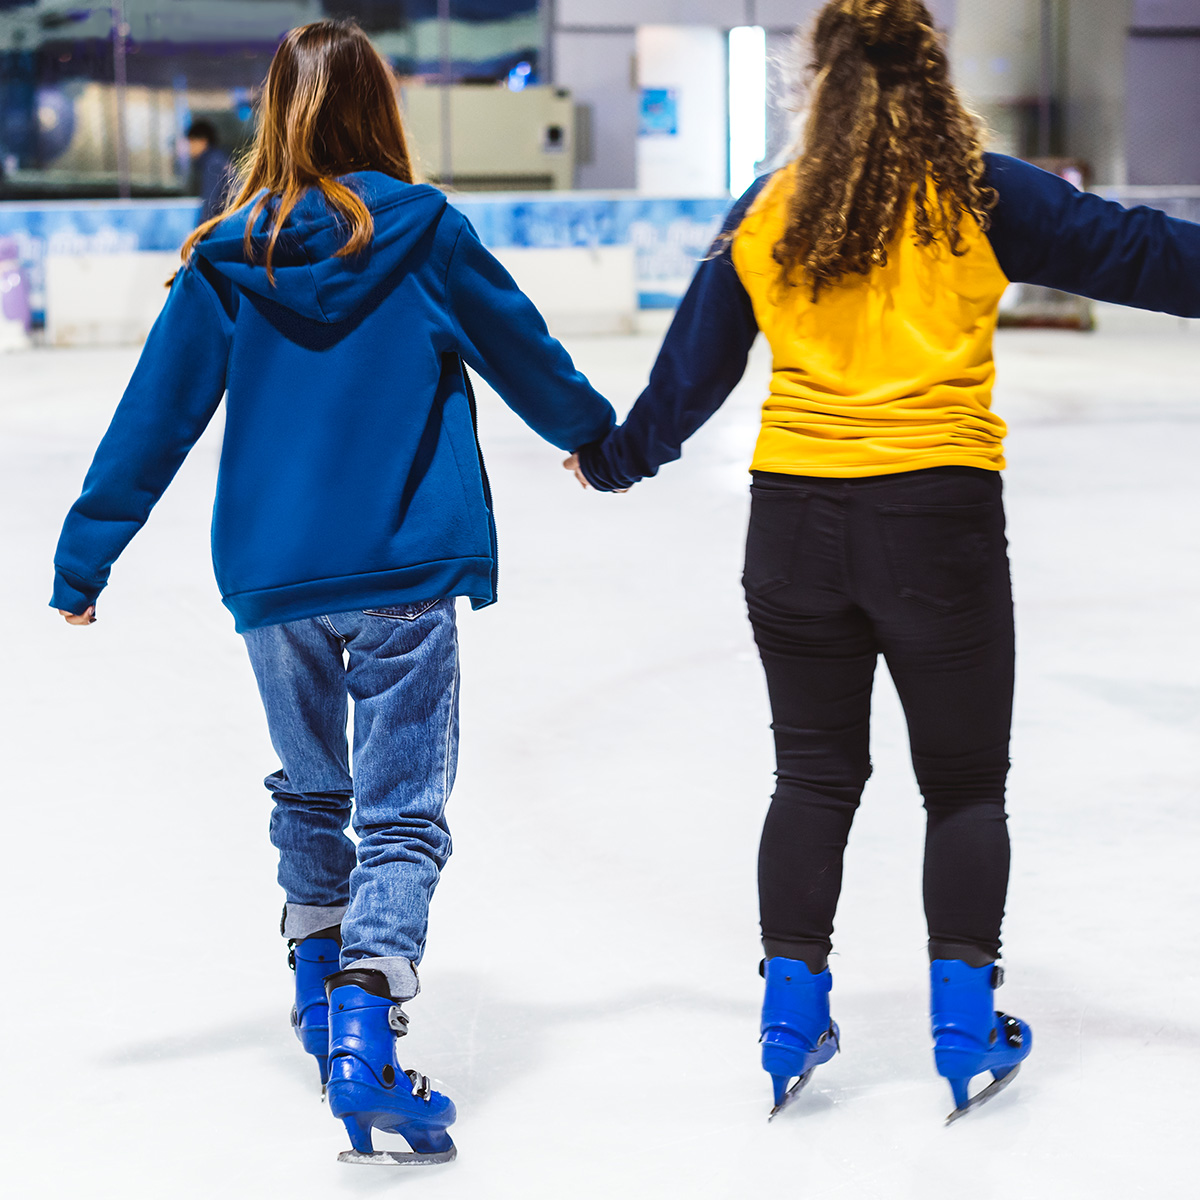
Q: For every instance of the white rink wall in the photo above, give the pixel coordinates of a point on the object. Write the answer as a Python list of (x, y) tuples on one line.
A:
[(105, 299), (593, 262), (114, 299), (590, 992)]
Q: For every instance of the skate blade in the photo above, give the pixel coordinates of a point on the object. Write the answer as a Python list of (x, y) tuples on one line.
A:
[(792, 1093), (990, 1092), (396, 1158)]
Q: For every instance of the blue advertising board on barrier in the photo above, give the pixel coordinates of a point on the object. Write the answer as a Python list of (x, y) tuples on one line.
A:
[(669, 236), (92, 227)]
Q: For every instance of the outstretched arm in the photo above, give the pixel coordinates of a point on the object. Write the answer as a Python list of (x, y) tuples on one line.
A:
[(1047, 232), (172, 396), (504, 337), (701, 361)]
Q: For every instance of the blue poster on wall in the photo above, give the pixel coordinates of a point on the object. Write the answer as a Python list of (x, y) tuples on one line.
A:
[(659, 113)]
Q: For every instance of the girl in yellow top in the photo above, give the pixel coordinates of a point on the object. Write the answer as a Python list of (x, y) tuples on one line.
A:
[(875, 263)]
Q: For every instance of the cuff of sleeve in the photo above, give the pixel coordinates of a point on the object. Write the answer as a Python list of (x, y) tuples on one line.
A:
[(591, 463), (73, 596)]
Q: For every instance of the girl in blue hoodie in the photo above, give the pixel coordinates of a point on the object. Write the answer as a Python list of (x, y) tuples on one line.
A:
[(334, 307)]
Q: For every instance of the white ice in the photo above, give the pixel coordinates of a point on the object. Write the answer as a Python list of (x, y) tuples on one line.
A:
[(590, 990)]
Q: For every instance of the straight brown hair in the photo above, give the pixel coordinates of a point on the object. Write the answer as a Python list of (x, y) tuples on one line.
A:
[(329, 107)]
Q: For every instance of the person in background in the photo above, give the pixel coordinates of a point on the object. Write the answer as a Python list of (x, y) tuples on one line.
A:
[(334, 305), (875, 263), (211, 168)]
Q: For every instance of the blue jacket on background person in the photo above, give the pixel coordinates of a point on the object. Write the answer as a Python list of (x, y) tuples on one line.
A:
[(350, 474), (213, 170)]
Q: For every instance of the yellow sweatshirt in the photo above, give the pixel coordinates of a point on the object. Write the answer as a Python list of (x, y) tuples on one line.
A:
[(887, 372), (893, 371)]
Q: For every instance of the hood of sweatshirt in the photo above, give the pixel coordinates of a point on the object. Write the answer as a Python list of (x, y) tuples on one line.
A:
[(309, 278)]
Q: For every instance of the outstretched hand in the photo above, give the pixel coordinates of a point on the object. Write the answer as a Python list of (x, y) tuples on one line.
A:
[(87, 617)]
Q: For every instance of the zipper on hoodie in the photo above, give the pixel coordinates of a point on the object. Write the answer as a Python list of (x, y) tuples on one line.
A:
[(487, 484)]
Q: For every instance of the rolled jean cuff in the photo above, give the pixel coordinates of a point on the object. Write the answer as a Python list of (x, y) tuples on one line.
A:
[(303, 920), (401, 975)]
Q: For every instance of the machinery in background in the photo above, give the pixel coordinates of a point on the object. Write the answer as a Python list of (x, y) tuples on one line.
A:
[(498, 139)]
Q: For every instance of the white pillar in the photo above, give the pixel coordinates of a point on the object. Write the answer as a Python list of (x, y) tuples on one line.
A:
[(689, 155), (747, 105)]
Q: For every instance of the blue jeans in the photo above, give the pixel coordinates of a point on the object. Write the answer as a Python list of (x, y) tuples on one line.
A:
[(400, 667)]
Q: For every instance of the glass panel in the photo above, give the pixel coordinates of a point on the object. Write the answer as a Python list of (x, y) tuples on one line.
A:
[(68, 128)]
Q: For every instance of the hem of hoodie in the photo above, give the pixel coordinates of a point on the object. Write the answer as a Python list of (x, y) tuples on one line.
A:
[(406, 585), (471, 577), (986, 459), (72, 593)]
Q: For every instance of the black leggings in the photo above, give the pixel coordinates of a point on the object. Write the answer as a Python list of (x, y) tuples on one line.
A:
[(912, 566)]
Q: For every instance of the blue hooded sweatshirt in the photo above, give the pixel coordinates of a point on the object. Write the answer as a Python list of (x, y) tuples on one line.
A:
[(350, 472)]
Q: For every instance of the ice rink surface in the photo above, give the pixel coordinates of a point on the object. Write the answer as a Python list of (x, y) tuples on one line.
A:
[(590, 992)]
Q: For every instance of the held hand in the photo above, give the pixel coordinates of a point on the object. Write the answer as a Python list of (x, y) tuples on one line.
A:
[(572, 464), (84, 618)]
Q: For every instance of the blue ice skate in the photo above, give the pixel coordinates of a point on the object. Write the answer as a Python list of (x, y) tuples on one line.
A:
[(797, 1033), (313, 959), (366, 1091), (969, 1037)]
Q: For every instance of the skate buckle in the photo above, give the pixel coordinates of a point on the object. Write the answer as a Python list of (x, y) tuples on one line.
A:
[(397, 1020), (421, 1087)]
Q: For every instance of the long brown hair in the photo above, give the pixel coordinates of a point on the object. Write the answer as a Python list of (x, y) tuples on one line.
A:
[(884, 121), (329, 107)]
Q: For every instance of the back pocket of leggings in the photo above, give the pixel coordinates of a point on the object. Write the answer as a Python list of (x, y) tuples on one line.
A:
[(940, 555), (402, 612), (773, 539)]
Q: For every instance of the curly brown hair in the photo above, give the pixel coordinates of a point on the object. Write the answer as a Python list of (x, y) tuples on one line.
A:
[(884, 122)]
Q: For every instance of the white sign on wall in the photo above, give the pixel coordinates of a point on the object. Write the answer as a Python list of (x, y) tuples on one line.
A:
[(682, 147)]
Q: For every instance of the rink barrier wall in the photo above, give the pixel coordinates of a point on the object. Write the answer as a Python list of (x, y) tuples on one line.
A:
[(592, 262)]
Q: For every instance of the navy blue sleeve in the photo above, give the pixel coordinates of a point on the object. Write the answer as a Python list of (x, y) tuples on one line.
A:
[(1047, 232), (503, 337), (701, 361), (175, 389)]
